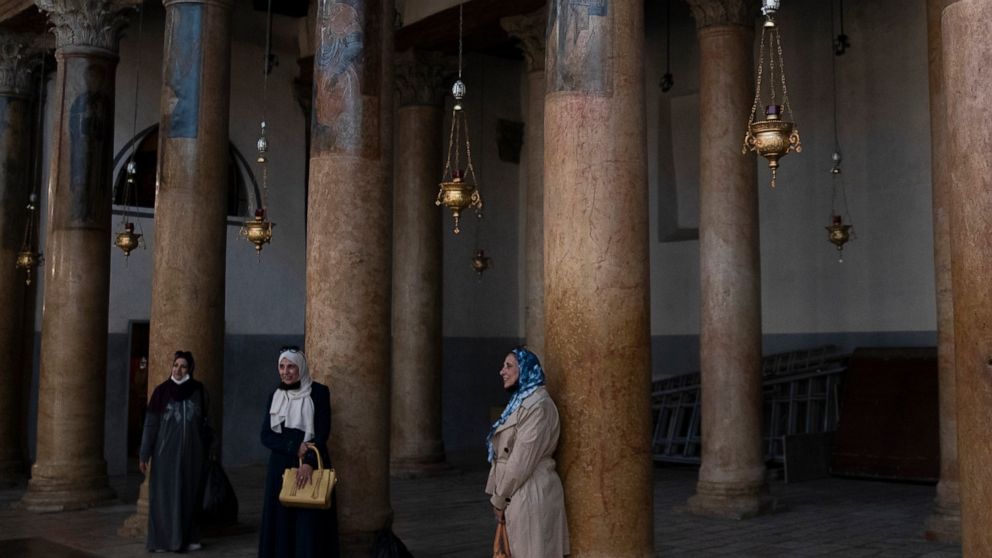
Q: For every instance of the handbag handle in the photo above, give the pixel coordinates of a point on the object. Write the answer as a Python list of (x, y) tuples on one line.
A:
[(320, 462)]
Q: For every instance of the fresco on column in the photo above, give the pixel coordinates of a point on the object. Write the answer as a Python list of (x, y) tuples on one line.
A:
[(182, 74), (347, 70), (90, 141), (579, 47)]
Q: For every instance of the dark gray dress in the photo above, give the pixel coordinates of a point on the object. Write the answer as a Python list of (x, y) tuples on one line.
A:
[(176, 438)]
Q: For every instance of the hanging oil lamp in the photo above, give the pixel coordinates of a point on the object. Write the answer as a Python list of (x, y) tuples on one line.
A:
[(28, 256), (127, 239), (459, 187), (258, 229), (776, 135), (480, 262), (839, 233)]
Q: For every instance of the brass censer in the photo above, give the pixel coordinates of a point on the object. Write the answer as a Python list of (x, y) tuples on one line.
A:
[(127, 240), (777, 135), (840, 234), (457, 192), (28, 256), (480, 262), (258, 230)]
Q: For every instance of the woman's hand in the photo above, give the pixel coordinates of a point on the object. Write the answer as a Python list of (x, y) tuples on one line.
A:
[(303, 475), (500, 515), (302, 450), (143, 465)]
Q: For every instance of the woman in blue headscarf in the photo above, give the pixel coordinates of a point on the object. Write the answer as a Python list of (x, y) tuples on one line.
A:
[(525, 490)]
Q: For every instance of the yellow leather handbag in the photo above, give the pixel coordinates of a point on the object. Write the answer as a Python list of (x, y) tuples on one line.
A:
[(316, 494)]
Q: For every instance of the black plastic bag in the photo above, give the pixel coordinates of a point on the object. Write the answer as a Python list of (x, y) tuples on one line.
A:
[(388, 545), (220, 503)]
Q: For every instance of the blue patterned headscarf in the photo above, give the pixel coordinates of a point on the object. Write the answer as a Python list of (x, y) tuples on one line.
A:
[(531, 378)]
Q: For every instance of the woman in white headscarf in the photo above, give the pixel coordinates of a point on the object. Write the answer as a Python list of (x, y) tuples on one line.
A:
[(299, 413)]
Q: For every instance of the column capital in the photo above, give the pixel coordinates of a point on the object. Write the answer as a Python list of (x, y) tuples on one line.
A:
[(92, 23), (18, 54), (709, 13), (420, 78), (531, 31)]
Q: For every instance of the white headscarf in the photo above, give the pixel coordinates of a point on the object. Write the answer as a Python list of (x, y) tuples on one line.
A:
[(294, 406)]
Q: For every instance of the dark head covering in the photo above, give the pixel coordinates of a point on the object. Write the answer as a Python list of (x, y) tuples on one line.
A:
[(171, 391), (531, 377)]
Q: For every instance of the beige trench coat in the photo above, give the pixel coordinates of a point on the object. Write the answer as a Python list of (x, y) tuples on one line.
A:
[(523, 481)]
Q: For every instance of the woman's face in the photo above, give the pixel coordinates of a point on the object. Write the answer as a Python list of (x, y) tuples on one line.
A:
[(510, 371), (180, 368), (289, 372)]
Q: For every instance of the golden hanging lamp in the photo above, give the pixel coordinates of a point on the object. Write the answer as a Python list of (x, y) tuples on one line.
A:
[(776, 135), (459, 187), (839, 233), (127, 240), (28, 256), (480, 261), (258, 229)]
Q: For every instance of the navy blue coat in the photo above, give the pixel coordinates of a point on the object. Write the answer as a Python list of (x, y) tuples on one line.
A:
[(296, 532)]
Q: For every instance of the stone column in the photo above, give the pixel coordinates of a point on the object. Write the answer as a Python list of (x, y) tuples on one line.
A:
[(191, 205), (596, 273), (349, 256), (944, 523), (70, 471), (416, 444), (16, 161), (732, 476), (967, 47), (530, 30)]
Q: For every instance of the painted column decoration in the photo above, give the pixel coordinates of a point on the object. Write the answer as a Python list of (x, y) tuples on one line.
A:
[(944, 523), (191, 205), (966, 39), (732, 475), (70, 471), (416, 442), (596, 272), (530, 30), (349, 261), (18, 89)]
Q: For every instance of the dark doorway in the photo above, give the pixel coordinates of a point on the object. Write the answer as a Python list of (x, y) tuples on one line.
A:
[(137, 400)]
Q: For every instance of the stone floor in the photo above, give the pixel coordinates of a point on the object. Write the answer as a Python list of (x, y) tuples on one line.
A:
[(448, 516)]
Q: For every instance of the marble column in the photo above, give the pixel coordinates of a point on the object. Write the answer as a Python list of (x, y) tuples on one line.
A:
[(349, 260), (191, 205), (530, 31), (17, 92), (416, 444), (596, 273), (732, 475), (69, 470), (944, 523), (966, 34)]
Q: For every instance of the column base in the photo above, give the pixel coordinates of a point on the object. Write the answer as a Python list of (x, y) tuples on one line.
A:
[(418, 468), (943, 526), (134, 527), (729, 501), (62, 486), (39, 500)]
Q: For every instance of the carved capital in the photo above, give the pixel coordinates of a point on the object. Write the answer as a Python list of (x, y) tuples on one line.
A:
[(15, 63), (420, 78), (708, 13), (531, 31), (93, 23)]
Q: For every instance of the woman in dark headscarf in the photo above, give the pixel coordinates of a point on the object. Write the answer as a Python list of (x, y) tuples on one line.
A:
[(299, 413), (176, 440), (526, 492)]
